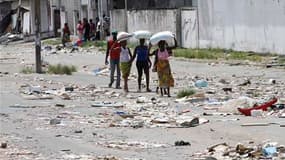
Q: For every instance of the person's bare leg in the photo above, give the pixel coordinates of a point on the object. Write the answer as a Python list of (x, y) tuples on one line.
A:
[(126, 85), (168, 91), (165, 91), (147, 81)]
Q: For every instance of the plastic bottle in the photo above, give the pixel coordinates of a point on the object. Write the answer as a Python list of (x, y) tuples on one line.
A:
[(201, 83)]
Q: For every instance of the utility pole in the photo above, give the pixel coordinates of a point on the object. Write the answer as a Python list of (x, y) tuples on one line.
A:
[(38, 35), (101, 19), (18, 23), (126, 15)]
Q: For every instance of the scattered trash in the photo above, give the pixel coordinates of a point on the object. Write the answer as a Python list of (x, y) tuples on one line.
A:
[(71, 89), (272, 81), (245, 83), (123, 145), (193, 98), (101, 71), (269, 151), (78, 131), (256, 113), (141, 100), (193, 123), (55, 121), (182, 143), (3, 145), (227, 89), (107, 104), (264, 107), (232, 106), (242, 151), (35, 89), (59, 105), (64, 96), (201, 83)]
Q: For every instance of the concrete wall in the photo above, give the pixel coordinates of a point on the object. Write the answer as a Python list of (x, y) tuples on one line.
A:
[(71, 7), (45, 16), (118, 20), (246, 25), (158, 4), (151, 20)]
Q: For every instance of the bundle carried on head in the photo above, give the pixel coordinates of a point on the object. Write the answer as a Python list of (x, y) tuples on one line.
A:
[(142, 34), (122, 36), (162, 36)]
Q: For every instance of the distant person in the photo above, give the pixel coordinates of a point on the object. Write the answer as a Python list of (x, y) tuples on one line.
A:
[(106, 25), (66, 34), (143, 63), (161, 64), (98, 27), (86, 33), (114, 59), (80, 28), (92, 29)]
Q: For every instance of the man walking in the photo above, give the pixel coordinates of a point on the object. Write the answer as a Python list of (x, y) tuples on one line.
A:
[(86, 30), (114, 60)]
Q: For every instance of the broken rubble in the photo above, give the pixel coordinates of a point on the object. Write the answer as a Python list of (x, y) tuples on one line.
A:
[(242, 151)]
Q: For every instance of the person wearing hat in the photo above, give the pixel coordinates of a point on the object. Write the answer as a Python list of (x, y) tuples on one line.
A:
[(114, 59)]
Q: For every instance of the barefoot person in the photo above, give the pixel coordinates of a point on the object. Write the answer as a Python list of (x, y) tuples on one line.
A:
[(143, 63), (162, 66), (114, 60), (126, 64)]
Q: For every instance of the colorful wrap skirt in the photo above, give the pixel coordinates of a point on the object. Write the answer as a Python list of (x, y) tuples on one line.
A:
[(164, 74), (126, 69)]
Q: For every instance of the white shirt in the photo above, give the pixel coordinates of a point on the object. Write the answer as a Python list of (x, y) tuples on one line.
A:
[(124, 55)]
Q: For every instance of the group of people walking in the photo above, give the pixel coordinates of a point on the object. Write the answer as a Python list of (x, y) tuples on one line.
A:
[(85, 29), (121, 59)]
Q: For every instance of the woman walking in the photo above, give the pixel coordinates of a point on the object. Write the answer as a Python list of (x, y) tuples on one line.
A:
[(143, 63), (162, 66)]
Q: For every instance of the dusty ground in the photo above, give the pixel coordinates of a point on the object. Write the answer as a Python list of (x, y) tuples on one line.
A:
[(29, 135)]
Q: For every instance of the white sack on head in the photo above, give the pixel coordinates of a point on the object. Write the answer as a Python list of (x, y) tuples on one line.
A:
[(123, 36), (142, 34), (165, 35)]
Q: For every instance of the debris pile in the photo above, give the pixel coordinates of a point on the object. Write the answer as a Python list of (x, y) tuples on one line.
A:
[(269, 150)]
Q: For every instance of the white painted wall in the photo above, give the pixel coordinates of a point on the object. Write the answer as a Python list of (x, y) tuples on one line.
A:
[(118, 20), (189, 28), (246, 25), (152, 20)]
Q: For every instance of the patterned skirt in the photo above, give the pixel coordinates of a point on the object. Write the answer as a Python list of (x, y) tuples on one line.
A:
[(126, 69), (164, 74)]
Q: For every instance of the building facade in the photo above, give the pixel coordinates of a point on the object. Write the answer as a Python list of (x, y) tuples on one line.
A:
[(71, 11)]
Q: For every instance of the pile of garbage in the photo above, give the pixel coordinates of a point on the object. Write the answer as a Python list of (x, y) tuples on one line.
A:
[(250, 151), (152, 113), (50, 90)]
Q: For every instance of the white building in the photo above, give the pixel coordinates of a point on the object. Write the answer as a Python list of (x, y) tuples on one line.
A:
[(70, 11)]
